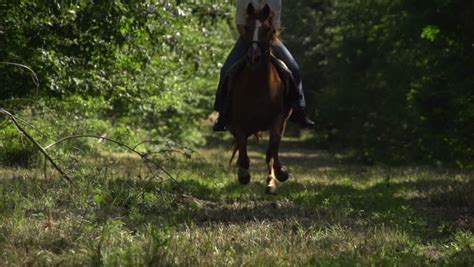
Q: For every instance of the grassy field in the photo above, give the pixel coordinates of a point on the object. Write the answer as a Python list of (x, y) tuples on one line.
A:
[(332, 212)]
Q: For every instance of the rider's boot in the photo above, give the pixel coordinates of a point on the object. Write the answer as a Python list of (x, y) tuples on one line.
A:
[(299, 116), (224, 113), (220, 106), (220, 125)]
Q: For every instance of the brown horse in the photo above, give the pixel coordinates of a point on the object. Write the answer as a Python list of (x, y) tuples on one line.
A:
[(257, 94)]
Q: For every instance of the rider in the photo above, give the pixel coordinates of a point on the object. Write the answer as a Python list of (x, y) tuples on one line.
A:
[(279, 50)]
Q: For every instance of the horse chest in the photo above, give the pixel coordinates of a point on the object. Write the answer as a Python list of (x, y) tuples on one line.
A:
[(257, 99), (257, 109)]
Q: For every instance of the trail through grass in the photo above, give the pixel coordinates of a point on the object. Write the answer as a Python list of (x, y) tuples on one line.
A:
[(331, 212)]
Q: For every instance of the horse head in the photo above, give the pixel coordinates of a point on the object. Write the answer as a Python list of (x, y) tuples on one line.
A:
[(259, 33)]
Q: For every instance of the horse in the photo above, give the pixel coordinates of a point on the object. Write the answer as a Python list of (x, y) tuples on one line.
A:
[(258, 99)]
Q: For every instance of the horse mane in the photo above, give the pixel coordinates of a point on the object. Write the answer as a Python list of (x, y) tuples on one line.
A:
[(276, 35)]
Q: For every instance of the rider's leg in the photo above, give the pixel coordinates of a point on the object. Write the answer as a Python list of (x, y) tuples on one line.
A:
[(220, 101), (298, 104)]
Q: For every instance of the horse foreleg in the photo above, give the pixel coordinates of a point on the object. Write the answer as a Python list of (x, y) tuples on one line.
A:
[(243, 162), (275, 169)]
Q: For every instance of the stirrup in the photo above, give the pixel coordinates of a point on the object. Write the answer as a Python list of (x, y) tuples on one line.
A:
[(299, 116), (306, 123), (219, 126)]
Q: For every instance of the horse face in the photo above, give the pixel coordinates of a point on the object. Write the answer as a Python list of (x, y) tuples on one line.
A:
[(259, 32)]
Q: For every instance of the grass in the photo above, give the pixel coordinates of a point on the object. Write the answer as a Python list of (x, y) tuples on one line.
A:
[(332, 212)]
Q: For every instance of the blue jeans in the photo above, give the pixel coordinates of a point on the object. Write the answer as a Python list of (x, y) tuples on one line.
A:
[(280, 51)]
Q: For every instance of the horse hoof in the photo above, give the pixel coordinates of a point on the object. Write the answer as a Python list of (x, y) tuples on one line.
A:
[(271, 185), (244, 180), (271, 190), (244, 176), (282, 174)]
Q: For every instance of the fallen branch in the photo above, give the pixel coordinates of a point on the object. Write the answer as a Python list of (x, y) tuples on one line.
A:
[(144, 156), (94, 137), (184, 151), (40, 148)]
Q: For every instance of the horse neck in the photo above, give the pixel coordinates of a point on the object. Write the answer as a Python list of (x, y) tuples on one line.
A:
[(258, 78), (263, 67)]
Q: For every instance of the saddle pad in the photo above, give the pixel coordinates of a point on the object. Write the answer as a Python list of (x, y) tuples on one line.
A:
[(285, 73), (280, 64)]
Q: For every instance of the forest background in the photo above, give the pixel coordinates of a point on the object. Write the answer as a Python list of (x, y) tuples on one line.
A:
[(386, 81)]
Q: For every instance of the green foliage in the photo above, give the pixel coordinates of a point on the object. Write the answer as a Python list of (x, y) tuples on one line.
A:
[(430, 33), (151, 64), (389, 78), (49, 122)]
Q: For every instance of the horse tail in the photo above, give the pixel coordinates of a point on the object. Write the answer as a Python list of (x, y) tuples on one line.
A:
[(233, 144), (258, 136)]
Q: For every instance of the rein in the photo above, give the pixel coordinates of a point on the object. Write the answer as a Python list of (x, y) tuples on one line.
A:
[(259, 46)]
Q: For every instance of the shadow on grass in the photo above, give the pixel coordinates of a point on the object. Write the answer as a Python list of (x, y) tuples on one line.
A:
[(425, 207), (436, 213)]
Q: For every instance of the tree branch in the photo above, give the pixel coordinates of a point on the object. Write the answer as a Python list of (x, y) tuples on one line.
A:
[(40, 148), (34, 77), (144, 156)]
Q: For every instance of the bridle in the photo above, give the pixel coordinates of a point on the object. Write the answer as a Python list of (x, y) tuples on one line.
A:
[(255, 50), (260, 46)]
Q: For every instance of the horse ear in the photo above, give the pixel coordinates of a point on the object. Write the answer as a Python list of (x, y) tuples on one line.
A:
[(266, 11), (250, 9)]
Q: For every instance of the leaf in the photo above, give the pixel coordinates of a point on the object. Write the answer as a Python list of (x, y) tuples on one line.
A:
[(430, 33)]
